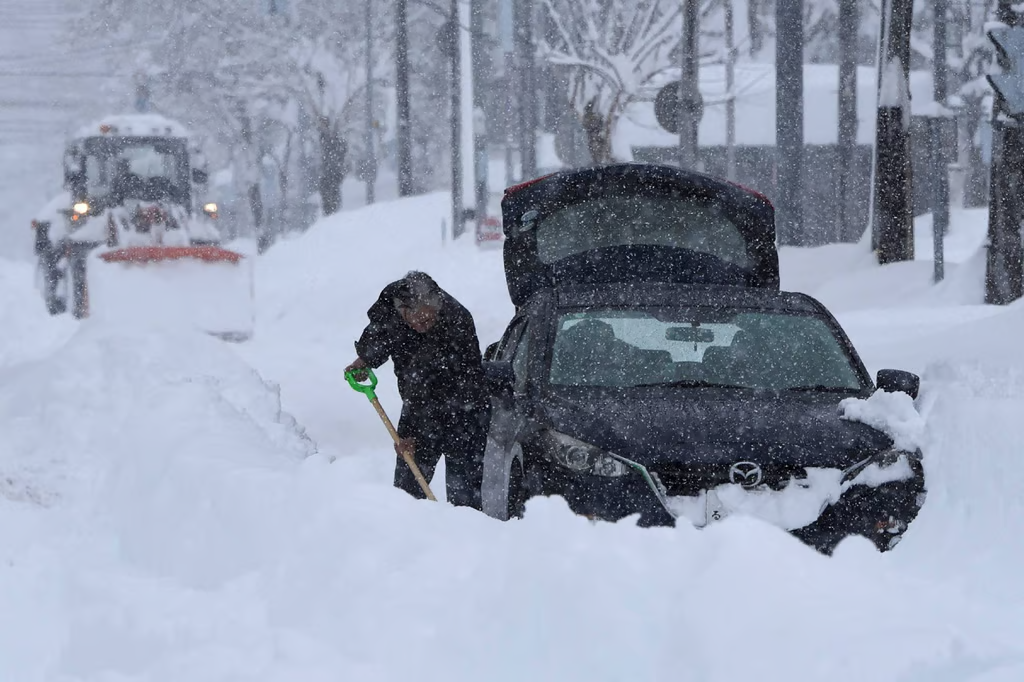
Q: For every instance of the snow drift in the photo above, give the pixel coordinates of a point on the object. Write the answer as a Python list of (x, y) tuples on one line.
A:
[(185, 528), (184, 292), (26, 330)]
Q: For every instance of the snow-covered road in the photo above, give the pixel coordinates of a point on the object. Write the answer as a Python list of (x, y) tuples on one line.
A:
[(161, 518)]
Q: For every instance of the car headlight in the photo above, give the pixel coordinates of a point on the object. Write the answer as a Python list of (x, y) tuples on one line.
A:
[(892, 465), (81, 208), (583, 457)]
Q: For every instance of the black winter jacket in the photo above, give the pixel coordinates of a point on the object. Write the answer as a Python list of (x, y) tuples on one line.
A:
[(439, 372)]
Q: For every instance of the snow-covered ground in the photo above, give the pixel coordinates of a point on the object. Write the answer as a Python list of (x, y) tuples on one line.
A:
[(176, 508)]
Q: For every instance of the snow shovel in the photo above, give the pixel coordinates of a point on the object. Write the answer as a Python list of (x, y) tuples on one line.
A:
[(367, 390)]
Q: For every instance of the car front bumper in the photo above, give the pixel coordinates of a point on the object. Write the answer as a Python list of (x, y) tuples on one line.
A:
[(880, 512), (604, 498)]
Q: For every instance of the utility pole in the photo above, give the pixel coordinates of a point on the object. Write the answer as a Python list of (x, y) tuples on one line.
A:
[(892, 223), (789, 119), (480, 155), (523, 16), (847, 134), (467, 143), (404, 132), (455, 55), (730, 90), (371, 152), (936, 127), (1004, 279), (506, 32), (689, 87)]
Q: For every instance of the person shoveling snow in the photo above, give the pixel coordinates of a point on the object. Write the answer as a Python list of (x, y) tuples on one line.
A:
[(432, 340)]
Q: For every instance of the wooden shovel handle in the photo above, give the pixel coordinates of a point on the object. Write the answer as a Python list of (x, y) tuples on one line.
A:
[(408, 458)]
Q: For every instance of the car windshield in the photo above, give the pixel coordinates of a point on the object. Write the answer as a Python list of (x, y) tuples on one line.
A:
[(136, 168), (742, 348), (673, 220)]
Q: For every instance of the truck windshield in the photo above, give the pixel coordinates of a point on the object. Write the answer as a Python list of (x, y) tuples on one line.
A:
[(770, 350), (151, 169)]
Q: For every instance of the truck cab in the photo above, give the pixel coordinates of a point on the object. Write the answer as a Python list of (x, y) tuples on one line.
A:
[(138, 172), (130, 181)]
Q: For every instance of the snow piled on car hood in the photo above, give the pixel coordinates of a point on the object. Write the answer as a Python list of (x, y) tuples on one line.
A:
[(893, 413), (197, 537)]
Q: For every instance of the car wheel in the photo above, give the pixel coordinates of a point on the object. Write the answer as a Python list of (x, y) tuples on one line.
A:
[(502, 493)]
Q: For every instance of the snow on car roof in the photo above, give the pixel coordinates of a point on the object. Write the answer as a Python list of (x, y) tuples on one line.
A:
[(135, 124)]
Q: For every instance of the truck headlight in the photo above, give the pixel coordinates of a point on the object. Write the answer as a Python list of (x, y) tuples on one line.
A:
[(210, 209), (582, 457), (81, 208)]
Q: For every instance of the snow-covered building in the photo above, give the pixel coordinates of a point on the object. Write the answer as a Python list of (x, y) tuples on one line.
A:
[(755, 136)]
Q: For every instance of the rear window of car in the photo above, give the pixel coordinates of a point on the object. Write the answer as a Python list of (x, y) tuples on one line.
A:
[(685, 222)]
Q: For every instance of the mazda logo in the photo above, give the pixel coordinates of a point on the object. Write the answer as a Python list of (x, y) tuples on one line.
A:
[(746, 474)]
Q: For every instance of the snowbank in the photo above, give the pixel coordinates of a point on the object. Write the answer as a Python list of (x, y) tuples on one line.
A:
[(215, 297), (126, 394), (185, 529), (847, 277), (313, 292), (26, 330), (966, 534)]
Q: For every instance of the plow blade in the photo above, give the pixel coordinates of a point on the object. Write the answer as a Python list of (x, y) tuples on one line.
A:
[(208, 288), (157, 254)]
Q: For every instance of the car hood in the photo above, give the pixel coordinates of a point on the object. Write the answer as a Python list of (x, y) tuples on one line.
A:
[(707, 426)]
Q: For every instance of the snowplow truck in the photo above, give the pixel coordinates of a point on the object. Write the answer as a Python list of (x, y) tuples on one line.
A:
[(135, 232)]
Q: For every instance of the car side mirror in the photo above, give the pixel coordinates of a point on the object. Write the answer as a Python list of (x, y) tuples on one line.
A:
[(500, 377), (896, 380), (491, 351)]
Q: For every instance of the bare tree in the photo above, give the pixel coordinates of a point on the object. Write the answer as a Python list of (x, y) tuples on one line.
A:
[(218, 66), (406, 186), (612, 48), (331, 82)]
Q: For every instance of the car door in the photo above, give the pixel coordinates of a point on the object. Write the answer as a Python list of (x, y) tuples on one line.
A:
[(508, 419), (507, 410)]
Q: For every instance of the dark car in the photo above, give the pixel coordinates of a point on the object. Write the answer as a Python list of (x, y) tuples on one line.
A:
[(672, 401)]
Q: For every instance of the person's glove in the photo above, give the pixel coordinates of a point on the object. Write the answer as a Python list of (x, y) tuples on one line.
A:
[(406, 446), (358, 364)]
